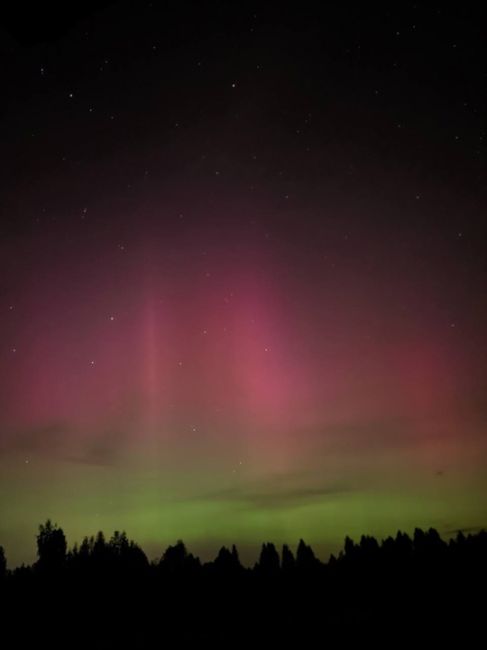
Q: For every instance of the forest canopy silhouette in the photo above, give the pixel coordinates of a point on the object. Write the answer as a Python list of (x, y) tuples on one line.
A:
[(412, 581)]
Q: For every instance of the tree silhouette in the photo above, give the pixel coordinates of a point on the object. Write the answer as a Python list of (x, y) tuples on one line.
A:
[(305, 558), (3, 563), (176, 559), (350, 548), (125, 553), (269, 562), (227, 562), (396, 581), (288, 563), (51, 546)]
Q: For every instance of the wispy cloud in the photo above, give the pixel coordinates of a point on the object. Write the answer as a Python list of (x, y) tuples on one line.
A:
[(104, 450), (45, 438), (467, 529), (277, 491), (63, 442)]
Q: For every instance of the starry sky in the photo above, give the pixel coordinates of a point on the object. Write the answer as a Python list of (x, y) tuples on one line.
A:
[(242, 273)]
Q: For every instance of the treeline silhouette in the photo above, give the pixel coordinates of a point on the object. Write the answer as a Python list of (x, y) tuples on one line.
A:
[(106, 593)]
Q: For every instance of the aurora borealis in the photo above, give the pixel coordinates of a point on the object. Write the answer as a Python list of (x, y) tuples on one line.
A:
[(243, 276)]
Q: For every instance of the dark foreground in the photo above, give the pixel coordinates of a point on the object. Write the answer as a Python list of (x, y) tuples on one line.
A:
[(105, 594)]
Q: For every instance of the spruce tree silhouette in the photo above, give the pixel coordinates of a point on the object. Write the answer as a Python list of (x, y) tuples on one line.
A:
[(369, 547), (350, 549), (305, 558), (83, 558), (3, 563), (269, 563), (235, 557), (99, 553), (125, 554), (403, 549), (227, 563), (288, 562), (224, 559), (176, 560), (51, 547)]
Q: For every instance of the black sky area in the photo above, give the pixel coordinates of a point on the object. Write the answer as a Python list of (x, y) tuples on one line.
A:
[(374, 80), (383, 103)]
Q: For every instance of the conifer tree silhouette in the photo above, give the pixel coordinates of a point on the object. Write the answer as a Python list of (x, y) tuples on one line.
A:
[(51, 546), (269, 563), (3, 563), (288, 562)]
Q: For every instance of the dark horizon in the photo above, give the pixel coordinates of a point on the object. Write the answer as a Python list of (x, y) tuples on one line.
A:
[(107, 593), (247, 561)]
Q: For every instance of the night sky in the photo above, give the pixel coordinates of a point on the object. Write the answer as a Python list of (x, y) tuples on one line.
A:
[(242, 273)]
